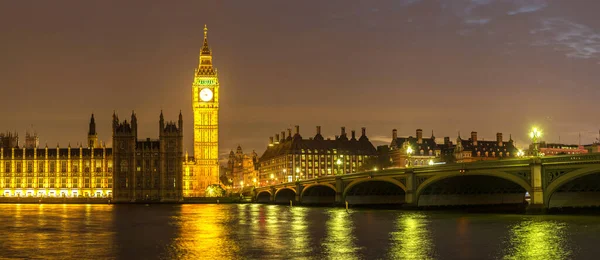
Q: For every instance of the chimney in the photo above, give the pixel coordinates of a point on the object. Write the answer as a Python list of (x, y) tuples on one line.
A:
[(499, 138), (318, 130), (364, 131), (276, 138), (353, 135), (343, 132), (419, 136), (289, 132), (446, 140), (394, 134), (474, 138), (270, 141), (282, 136), (297, 129)]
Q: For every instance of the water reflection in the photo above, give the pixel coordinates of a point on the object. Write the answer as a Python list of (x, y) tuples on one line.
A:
[(340, 240), (55, 231), (203, 234), (412, 240), (300, 239), (538, 239)]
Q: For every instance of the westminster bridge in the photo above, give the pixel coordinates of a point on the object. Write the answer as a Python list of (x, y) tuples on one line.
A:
[(551, 182)]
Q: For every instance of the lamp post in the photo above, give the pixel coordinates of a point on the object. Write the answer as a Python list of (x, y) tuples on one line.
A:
[(535, 134), (339, 164), (297, 173), (409, 152), (520, 153)]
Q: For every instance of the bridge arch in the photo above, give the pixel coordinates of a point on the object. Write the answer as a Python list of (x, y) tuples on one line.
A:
[(263, 196), (378, 190), (308, 187), (514, 188), (384, 179), (556, 194), (285, 194), (318, 193)]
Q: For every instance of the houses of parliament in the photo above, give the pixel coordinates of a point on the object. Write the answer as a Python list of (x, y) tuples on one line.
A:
[(134, 168)]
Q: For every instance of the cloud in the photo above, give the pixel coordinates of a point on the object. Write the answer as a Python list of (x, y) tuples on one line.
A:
[(408, 2), (576, 40), (528, 7), (478, 21)]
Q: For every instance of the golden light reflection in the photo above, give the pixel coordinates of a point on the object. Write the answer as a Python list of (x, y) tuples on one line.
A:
[(538, 239), (412, 240), (340, 243), (300, 235), (203, 234), (57, 232), (273, 227)]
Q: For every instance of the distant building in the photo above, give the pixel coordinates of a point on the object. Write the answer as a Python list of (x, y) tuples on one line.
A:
[(424, 150), (549, 149), (592, 148), (148, 169), (243, 168), (9, 140), (474, 149), (293, 157)]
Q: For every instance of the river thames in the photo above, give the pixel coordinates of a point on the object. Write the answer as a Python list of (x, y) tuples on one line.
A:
[(251, 231)]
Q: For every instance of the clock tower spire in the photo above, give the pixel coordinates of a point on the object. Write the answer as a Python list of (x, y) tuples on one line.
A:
[(205, 105)]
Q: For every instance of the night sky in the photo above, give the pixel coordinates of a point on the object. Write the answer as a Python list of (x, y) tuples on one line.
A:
[(480, 65)]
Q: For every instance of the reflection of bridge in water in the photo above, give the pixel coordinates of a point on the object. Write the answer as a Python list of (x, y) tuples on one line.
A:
[(552, 182)]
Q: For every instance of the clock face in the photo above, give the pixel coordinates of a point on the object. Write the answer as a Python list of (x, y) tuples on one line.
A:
[(206, 94)]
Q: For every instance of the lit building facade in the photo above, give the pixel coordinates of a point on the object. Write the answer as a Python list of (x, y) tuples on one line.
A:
[(422, 150), (549, 149), (243, 168), (203, 169), (292, 158), (148, 169), (56, 172), (472, 149)]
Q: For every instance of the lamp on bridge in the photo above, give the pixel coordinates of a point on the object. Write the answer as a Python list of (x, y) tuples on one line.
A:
[(431, 162), (535, 134), (297, 173), (339, 164), (520, 153), (409, 152)]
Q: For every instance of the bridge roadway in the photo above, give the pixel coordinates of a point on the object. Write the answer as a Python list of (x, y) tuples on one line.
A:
[(551, 182)]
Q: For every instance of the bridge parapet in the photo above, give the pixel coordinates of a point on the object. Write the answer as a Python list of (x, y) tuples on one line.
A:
[(575, 158)]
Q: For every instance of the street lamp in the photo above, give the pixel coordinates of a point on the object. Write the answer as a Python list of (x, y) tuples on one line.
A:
[(535, 134), (520, 153), (431, 162), (297, 173), (338, 163), (409, 152), (242, 184)]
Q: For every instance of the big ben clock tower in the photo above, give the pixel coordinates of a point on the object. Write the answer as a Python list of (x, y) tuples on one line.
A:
[(205, 104)]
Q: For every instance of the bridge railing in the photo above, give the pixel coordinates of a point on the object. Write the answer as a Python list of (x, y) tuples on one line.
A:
[(592, 157)]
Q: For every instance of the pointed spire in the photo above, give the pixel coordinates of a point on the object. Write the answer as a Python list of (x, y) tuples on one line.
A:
[(92, 130), (205, 48), (205, 67)]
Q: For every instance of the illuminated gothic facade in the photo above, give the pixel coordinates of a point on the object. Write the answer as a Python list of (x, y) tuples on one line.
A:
[(56, 172), (148, 169), (143, 169), (203, 169)]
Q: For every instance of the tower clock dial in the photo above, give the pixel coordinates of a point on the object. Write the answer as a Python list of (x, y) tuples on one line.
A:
[(206, 94)]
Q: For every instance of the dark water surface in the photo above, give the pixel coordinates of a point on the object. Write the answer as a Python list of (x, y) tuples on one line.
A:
[(251, 231)]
